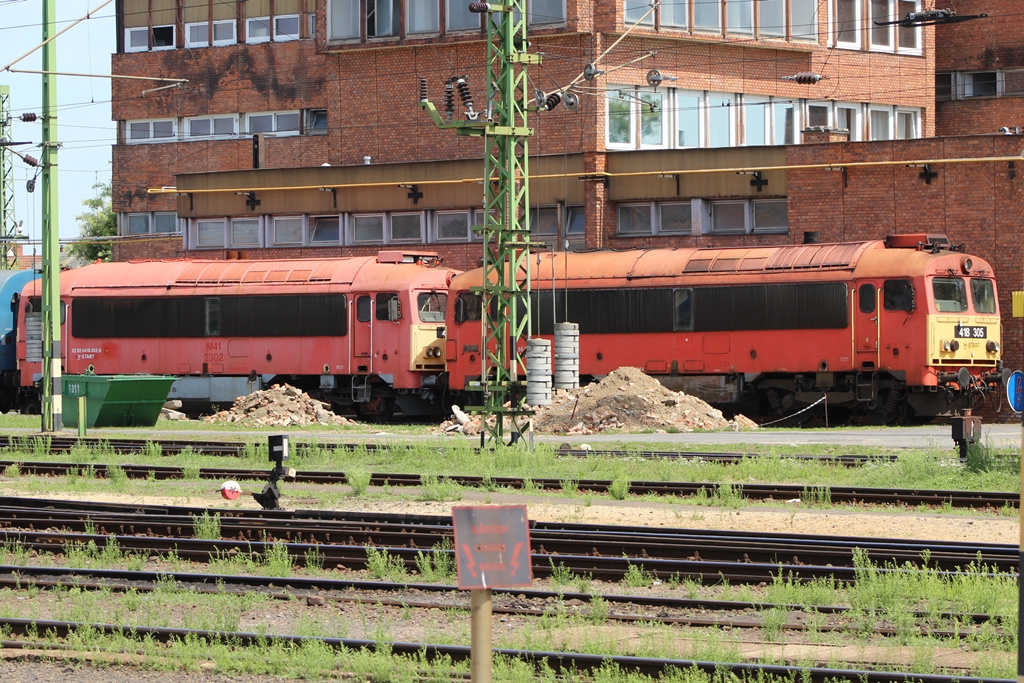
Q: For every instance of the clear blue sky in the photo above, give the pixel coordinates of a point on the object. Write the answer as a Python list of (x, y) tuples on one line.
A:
[(84, 128)]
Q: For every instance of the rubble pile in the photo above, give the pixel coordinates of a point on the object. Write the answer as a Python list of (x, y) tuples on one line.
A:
[(279, 406), (627, 400)]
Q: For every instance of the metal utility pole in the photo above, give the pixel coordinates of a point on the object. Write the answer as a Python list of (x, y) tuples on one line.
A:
[(8, 228), (51, 407), (506, 230)]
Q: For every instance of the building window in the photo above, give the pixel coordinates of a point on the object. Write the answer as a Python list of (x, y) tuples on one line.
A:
[(655, 218), (459, 18), (707, 16), (818, 114), (286, 27), (138, 224), (688, 116), (720, 120), (770, 216), (211, 126), (160, 222), (853, 20), (675, 218), (804, 19), (423, 16), (755, 120), (287, 230), (198, 34), (224, 32), (636, 115), (881, 12), (908, 37), (786, 123), (136, 39), (316, 122), (245, 232), (284, 122), (406, 227), (880, 122), (160, 130), (1013, 83), (978, 84), (382, 18), (848, 118), (906, 125), (635, 219), (739, 16), (728, 218), (257, 30), (209, 234), (541, 12), (452, 226), (368, 228), (342, 19), (325, 230), (847, 23)]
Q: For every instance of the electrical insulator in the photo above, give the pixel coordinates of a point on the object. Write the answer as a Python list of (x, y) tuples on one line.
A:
[(28, 118), (479, 7), (423, 90), (804, 78), (29, 160), (449, 99), (465, 95), (552, 101)]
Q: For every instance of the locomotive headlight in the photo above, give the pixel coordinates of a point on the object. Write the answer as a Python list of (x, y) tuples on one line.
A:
[(950, 345), (992, 346)]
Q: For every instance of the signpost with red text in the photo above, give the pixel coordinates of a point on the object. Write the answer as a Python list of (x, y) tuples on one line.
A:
[(492, 547)]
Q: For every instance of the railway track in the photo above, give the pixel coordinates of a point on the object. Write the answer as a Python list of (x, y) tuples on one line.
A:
[(62, 444), (605, 553), (853, 495), (520, 602)]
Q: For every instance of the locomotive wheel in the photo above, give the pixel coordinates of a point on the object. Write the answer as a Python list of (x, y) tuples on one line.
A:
[(380, 408), (882, 413)]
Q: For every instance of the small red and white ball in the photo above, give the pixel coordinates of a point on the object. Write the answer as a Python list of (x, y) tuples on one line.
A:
[(230, 490)]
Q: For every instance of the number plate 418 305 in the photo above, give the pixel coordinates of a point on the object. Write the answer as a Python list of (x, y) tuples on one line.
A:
[(971, 331)]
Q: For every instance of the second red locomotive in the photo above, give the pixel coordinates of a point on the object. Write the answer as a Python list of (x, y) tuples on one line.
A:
[(907, 327)]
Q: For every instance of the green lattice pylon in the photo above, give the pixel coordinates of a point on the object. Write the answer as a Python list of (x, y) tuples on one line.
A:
[(506, 230), (8, 226)]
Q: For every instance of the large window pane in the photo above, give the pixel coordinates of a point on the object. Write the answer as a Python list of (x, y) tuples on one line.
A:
[(288, 230), (325, 230), (676, 218), (407, 227), (163, 129), (728, 217), (688, 116), (755, 115), (453, 226), (880, 124), (245, 232), (635, 219), (674, 13), (635, 9), (379, 18), (343, 19), (210, 233), (459, 17), (138, 223), (785, 123), (544, 222), (652, 131), (546, 12), (740, 16), (771, 215), (817, 115), (368, 228), (805, 19), (165, 222), (906, 125), (197, 127), (847, 21), (288, 122), (423, 16), (620, 119), (772, 21), (707, 15), (719, 119), (881, 36), (909, 36), (261, 123)]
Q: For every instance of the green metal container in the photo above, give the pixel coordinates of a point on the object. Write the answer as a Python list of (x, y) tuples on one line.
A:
[(115, 400)]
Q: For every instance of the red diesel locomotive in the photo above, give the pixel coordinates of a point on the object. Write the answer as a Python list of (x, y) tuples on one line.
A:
[(907, 327), (363, 332)]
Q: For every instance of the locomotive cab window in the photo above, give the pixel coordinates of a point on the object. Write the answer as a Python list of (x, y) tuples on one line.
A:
[(467, 307), (388, 307), (866, 298), (682, 310), (984, 295), (212, 317), (898, 295), (431, 306), (950, 294), (35, 305), (363, 307)]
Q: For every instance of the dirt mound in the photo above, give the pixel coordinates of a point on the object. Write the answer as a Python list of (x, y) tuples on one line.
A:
[(279, 406), (627, 400)]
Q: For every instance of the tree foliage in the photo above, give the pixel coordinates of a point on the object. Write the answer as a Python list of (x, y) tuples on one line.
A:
[(96, 223)]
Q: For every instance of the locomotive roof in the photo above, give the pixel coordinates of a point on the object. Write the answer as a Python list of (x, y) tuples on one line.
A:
[(369, 271)]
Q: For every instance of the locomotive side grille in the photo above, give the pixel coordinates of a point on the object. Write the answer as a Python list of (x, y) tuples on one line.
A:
[(771, 307), (702, 265), (726, 264), (607, 311)]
